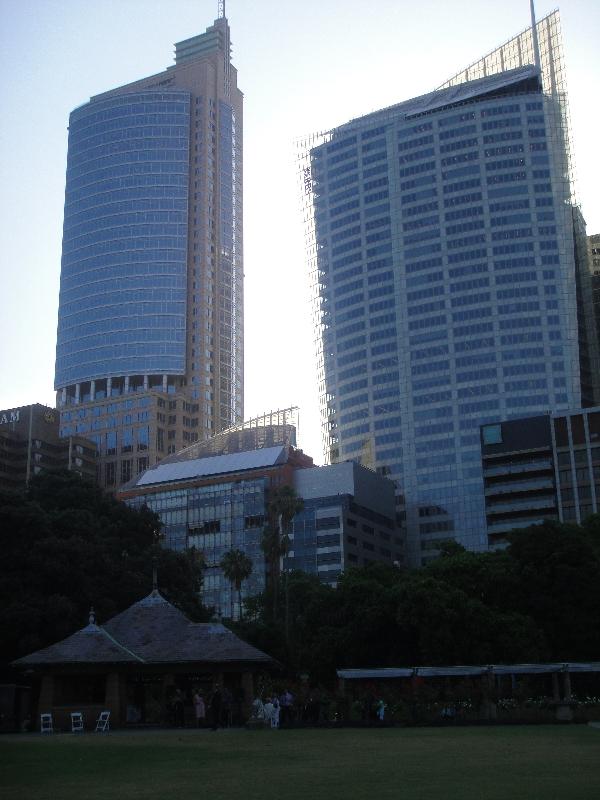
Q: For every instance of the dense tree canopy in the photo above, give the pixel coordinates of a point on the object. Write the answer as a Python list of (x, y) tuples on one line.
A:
[(67, 546), (537, 600)]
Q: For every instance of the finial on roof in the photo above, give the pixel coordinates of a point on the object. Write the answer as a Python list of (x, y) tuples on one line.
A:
[(92, 617)]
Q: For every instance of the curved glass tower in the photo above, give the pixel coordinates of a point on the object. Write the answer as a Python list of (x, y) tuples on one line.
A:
[(444, 261), (149, 354), (122, 305)]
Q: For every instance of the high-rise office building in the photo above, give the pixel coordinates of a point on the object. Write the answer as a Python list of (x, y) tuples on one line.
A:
[(447, 280), (149, 354)]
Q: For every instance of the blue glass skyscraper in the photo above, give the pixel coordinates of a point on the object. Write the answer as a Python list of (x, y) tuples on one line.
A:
[(149, 352), (447, 282)]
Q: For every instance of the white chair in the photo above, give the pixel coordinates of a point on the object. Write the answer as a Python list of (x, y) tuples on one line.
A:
[(47, 725), (76, 722), (102, 723)]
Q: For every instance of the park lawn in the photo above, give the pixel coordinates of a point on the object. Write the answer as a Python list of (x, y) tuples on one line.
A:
[(487, 763)]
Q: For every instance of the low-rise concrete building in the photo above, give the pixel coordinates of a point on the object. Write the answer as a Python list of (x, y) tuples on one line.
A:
[(348, 520), (220, 503), (30, 442)]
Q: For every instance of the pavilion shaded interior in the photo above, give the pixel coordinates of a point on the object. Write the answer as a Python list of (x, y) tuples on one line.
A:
[(133, 664)]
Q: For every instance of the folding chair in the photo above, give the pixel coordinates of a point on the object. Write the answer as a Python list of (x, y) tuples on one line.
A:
[(102, 723), (76, 722), (46, 723)]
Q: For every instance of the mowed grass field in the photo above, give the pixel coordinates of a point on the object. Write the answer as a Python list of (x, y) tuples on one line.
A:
[(488, 763)]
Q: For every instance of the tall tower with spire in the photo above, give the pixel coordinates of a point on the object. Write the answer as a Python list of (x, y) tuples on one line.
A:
[(149, 353)]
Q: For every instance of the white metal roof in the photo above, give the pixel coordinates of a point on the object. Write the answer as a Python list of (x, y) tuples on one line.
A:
[(478, 669), (214, 465)]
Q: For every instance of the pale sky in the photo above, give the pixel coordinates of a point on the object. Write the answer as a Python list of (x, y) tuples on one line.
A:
[(304, 67)]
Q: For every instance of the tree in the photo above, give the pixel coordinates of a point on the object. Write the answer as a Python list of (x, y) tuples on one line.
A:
[(558, 570), (236, 567), (282, 507), (67, 546)]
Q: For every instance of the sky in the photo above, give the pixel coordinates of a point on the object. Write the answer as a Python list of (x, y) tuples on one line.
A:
[(304, 67)]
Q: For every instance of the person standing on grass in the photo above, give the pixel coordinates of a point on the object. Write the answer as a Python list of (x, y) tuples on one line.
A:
[(199, 709), (275, 715), (216, 701), (286, 702), (269, 711)]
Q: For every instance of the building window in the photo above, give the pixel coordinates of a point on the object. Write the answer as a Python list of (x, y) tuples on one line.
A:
[(327, 523), (126, 470), (142, 464), (368, 529), (127, 440), (109, 474), (111, 443), (492, 434), (143, 438)]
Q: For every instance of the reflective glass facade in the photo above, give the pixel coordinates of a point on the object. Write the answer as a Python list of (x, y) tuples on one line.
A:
[(151, 296), (443, 256), (123, 278), (215, 519)]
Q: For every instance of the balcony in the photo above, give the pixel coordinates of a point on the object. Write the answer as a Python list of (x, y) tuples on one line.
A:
[(518, 468)]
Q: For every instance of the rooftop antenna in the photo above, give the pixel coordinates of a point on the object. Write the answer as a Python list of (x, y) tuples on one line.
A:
[(221, 11), (536, 45)]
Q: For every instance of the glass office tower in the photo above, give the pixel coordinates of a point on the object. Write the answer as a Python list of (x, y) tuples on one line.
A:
[(149, 352), (444, 263)]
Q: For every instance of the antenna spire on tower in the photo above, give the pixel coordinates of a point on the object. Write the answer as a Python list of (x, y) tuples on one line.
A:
[(221, 10), (536, 45)]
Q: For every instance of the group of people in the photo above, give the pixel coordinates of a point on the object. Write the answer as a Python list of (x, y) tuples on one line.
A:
[(219, 708), (216, 710), (274, 710)]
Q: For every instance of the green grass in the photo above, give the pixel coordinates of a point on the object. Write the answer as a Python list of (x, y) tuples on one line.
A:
[(491, 763)]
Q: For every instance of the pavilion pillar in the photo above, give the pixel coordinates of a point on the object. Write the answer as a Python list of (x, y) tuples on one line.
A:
[(567, 685), (555, 688), (564, 706), (114, 696), (248, 689), (218, 678), (489, 709), (168, 683), (46, 700)]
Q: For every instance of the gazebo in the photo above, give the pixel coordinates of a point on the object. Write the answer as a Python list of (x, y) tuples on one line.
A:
[(134, 664)]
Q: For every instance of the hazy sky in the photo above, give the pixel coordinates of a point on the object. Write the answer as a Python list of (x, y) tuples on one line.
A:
[(304, 67)]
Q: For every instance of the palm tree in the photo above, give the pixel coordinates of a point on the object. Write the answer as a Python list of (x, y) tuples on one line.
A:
[(236, 567), (282, 507)]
